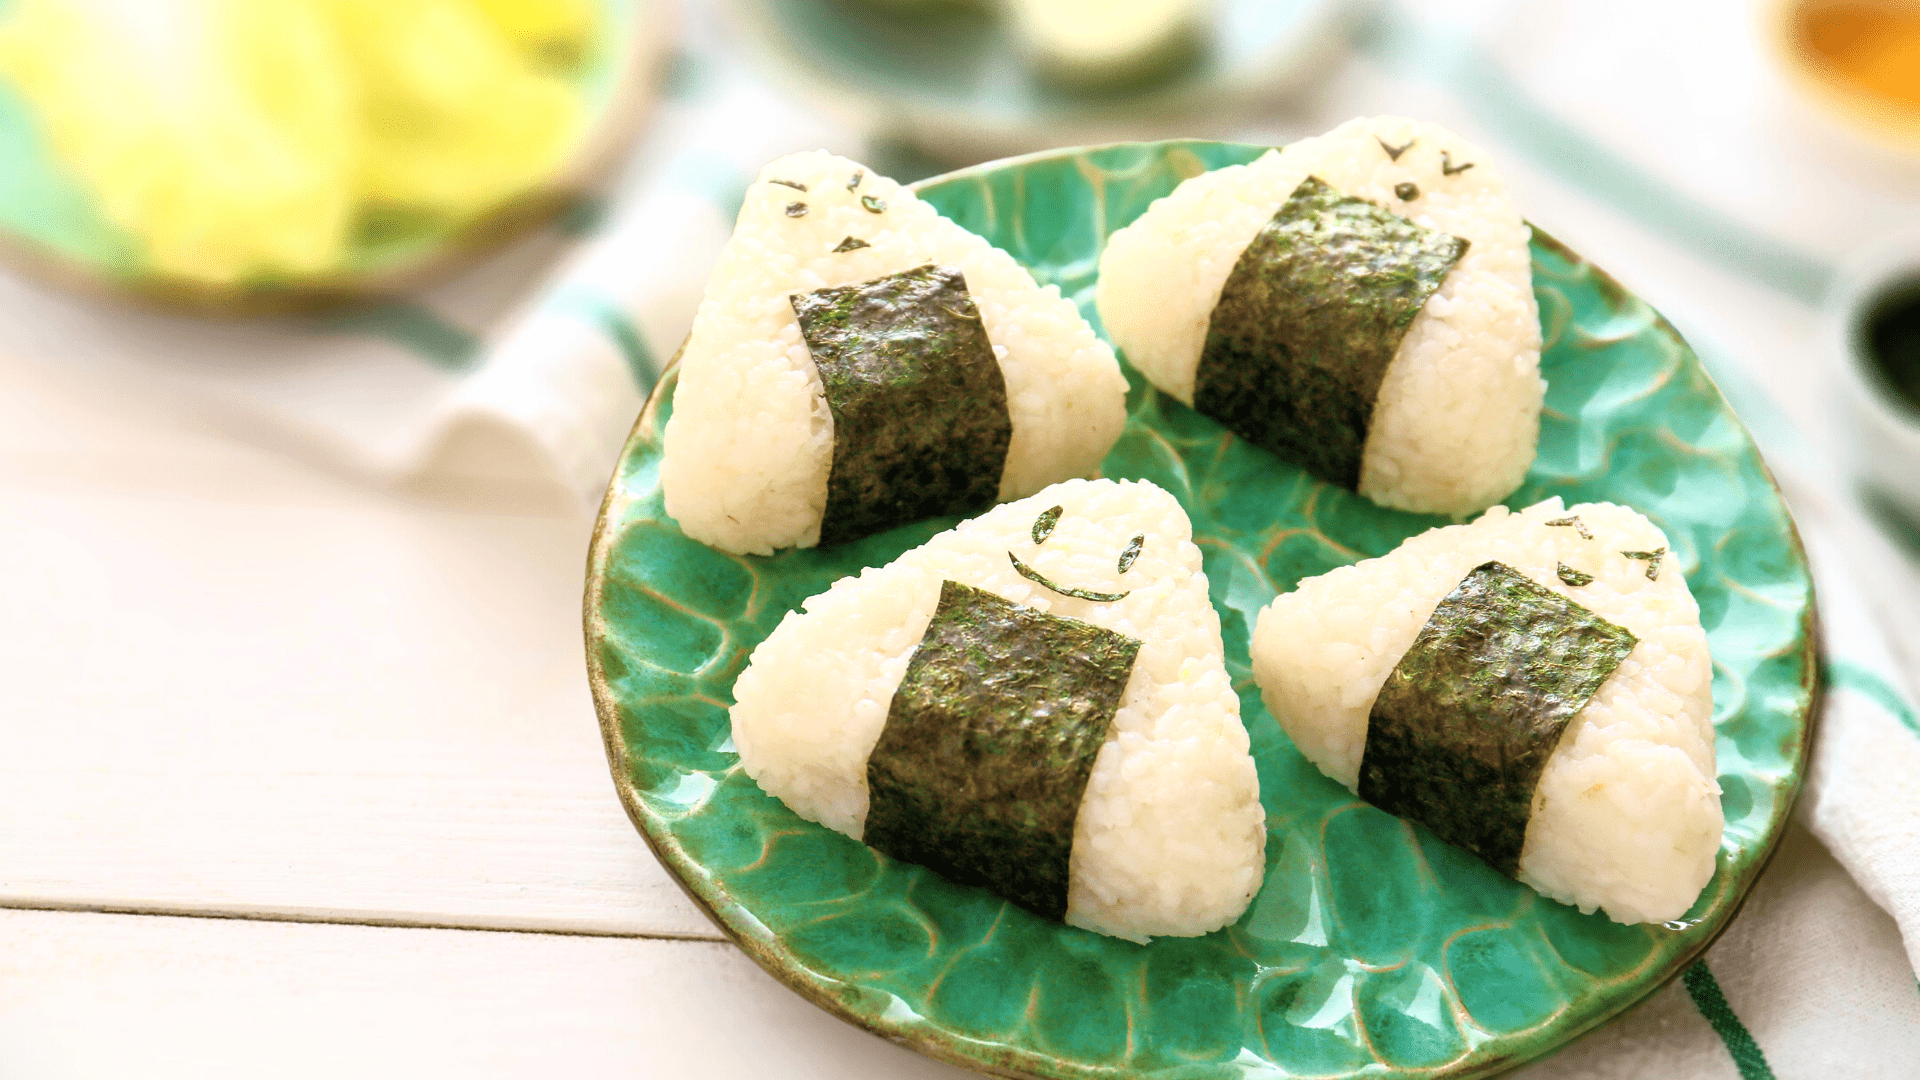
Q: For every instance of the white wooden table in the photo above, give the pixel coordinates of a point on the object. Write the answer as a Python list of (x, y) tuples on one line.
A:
[(299, 777)]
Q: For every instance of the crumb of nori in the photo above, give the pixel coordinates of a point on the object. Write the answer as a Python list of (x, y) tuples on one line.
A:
[(1575, 578), (1465, 724), (873, 205), (1309, 319), (920, 421), (851, 243), (982, 764)]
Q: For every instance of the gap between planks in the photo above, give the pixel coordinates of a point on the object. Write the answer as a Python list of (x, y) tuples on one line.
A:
[(390, 922)]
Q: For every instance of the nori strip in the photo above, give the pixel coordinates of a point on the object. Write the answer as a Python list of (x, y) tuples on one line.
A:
[(1575, 578), (1308, 321), (1133, 551), (989, 741), (1407, 190), (796, 209), (920, 422), (1038, 578), (873, 205), (851, 243), (1043, 525), (794, 184), (1578, 525), (1448, 168), (1465, 724), (1652, 559)]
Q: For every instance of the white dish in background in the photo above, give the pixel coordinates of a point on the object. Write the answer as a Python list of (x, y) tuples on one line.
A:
[(955, 80), (1883, 435)]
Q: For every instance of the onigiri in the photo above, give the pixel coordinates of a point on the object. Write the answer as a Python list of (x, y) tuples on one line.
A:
[(1534, 686), (1034, 702), (860, 362), (1359, 303)]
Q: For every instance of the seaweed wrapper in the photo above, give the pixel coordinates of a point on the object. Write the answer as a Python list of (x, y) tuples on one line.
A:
[(1465, 724), (981, 767), (1311, 315), (920, 421)]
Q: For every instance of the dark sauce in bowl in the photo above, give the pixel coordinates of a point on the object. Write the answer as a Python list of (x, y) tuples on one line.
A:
[(1890, 339)]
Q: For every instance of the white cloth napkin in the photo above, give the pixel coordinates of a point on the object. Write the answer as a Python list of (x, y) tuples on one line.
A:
[(526, 369)]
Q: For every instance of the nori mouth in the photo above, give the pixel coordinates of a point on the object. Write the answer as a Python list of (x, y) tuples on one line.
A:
[(1038, 578), (920, 421), (1308, 321), (1463, 728), (989, 741)]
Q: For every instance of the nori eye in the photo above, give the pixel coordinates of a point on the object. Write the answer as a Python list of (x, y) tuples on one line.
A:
[(1043, 525), (1651, 558), (1393, 152), (873, 205), (1407, 190), (851, 243), (1448, 168), (794, 184), (1132, 552), (857, 177), (796, 209)]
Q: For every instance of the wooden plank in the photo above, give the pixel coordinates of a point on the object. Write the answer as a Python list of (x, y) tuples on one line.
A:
[(237, 684), (87, 995)]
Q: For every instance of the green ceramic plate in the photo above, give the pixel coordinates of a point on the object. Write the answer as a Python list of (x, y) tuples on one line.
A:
[(1372, 948), (49, 221)]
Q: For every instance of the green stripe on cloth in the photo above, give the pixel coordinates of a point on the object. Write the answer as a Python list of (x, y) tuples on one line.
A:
[(414, 327), (613, 320), (1713, 1005), (1562, 149), (1844, 675)]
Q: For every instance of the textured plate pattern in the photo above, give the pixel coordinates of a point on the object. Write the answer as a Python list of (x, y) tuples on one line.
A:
[(1372, 944)]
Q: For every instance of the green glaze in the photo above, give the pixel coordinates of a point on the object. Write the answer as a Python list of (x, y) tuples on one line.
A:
[(989, 742), (1374, 948), (48, 218), (1467, 719), (920, 422), (1308, 320)]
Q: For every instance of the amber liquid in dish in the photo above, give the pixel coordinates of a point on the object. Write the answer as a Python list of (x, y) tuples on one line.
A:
[(1874, 47)]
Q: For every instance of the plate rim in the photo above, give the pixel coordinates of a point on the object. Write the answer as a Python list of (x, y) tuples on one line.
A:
[(1000, 1059)]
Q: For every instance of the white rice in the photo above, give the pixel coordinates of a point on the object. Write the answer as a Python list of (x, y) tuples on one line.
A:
[(1627, 814), (1455, 423), (1171, 837), (750, 442)]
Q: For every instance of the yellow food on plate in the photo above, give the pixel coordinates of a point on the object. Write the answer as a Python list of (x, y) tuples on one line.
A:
[(246, 140)]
